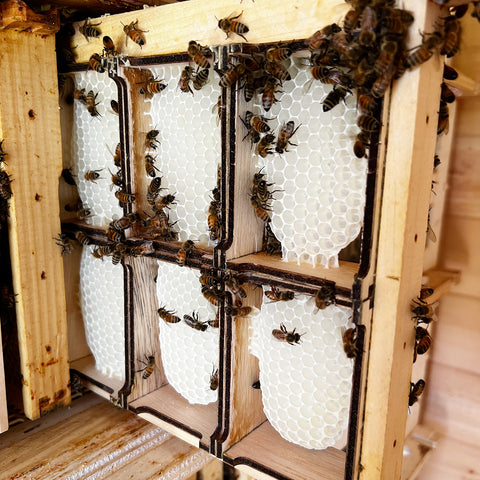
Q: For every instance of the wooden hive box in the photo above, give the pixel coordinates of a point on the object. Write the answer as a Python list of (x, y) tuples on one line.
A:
[(376, 288)]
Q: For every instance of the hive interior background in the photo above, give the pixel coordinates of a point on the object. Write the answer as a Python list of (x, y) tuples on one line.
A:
[(306, 388), (189, 356), (93, 145), (102, 303), (319, 207), (190, 148)]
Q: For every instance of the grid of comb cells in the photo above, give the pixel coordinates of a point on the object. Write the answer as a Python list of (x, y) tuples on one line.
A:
[(93, 145), (189, 356), (102, 300), (305, 387), (190, 148), (318, 208)]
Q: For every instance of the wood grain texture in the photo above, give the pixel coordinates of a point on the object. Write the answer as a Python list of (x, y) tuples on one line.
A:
[(31, 133), (170, 27), (171, 408), (407, 183), (104, 442), (267, 452)]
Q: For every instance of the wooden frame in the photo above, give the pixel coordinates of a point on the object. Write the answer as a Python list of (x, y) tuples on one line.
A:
[(382, 288)]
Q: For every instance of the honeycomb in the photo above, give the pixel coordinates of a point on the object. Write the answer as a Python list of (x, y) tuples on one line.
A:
[(93, 145), (318, 208), (306, 387), (190, 148), (189, 356), (102, 300)]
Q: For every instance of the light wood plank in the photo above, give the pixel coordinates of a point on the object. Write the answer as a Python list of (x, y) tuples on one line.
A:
[(167, 27), (264, 452), (31, 130), (412, 137), (460, 252), (199, 421)]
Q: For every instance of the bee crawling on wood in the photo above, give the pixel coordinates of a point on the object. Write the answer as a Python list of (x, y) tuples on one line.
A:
[(416, 389), (324, 297), (284, 335), (108, 47), (198, 54), (63, 241), (134, 33), (422, 311), (90, 30), (231, 25), (186, 248), (277, 295), (95, 63), (149, 366)]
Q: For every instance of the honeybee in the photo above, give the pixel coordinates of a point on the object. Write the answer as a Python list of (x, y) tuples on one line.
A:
[(263, 146), (257, 122), (145, 248), (152, 86), (186, 248), (92, 175), (368, 23), (368, 123), (277, 70), (116, 178), (198, 54), (277, 295), (416, 389), (233, 284), (185, 77), (209, 280), (268, 95), (287, 130), (385, 58), (271, 245), (68, 177), (232, 75), (278, 54), (259, 209), (366, 103), (236, 311), (108, 47), (423, 340), (443, 118), (117, 156), (334, 97), (201, 79), (114, 235), (231, 25), (324, 297), (213, 224), (149, 366), (153, 189), (349, 337), (330, 76), (361, 144), (64, 243), (426, 49), (80, 96), (194, 322), (214, 323), (118, 253), (82, 238), (214, 379), (425, 292), (102, 251), (251, 132), (213, 297), (218, 107), (91, 105), (124, 197), (283, 335), (165, 201), (131, 30), (168, 316), (423, 312), (451, 42), (446, 93), (5, 187), (151, 139), (95, 63), (125, 222), (350, 21), (90, 30), (321, 37), (150, 168)]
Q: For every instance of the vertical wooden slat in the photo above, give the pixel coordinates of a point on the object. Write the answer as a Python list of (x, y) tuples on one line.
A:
[(31, 133), (407, 182)]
